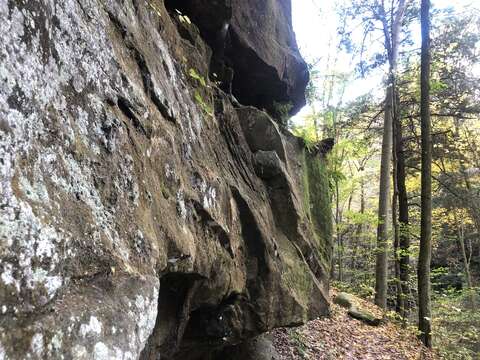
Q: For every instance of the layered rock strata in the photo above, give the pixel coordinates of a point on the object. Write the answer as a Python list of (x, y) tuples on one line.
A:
[(144, 213)]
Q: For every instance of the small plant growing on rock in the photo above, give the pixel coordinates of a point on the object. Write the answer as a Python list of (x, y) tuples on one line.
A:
[(199, 98), (184, 19), (155, 8), (207, 109), (195, 75)]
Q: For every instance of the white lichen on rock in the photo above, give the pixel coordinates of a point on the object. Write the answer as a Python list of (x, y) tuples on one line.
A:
[(37, 344), (101, 352), (3, 355), (93, 327), (147, 313)]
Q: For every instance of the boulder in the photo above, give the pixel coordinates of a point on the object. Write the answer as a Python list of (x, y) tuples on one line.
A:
[(268, 165), (260, 131), (347, 301), (344, 300), (364, 316)]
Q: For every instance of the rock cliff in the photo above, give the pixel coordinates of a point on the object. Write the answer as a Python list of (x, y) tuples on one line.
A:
[(144, 212)]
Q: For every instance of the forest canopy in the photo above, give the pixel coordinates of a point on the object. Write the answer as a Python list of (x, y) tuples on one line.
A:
[(365, 93)]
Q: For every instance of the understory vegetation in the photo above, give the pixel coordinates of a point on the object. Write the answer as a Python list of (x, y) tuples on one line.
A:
[(363, 47)]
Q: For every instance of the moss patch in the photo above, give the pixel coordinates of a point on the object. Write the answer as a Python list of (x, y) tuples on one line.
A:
[(317, 206), (296, 274)]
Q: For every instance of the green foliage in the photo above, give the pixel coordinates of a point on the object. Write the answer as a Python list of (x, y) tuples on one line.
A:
[(194, 75), (352, 167), (455, 324), (202, 87), (363, 289), (207, 109), (154, 8), (312, 90), (358, 218), (436, 86), (307, 132)]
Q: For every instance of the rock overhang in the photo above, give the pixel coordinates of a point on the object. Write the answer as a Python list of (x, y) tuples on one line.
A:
[(269, 70)]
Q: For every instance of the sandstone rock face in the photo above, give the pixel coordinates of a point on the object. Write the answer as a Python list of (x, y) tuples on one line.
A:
[(135, 222), (264, 52), (260, 47)]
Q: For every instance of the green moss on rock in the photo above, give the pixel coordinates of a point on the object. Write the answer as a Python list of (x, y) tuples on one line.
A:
[(296, 274), (317, 204)]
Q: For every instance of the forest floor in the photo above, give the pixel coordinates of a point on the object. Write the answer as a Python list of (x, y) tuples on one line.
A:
[(342, 337)]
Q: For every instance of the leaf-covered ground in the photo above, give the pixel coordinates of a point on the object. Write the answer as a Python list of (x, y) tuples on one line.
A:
[(341, 337)]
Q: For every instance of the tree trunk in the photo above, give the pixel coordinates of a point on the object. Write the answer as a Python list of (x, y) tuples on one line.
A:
[(337, 231), (466, 261), (381, 263), (391, 34), (403, 218), (396, 230), (424, 257), (359, 231)]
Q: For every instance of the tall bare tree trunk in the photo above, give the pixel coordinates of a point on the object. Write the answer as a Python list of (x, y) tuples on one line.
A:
[(337, 231), (424, 257), (395, 224), (466, 261), (459, 225), (381, 264), (403, 255), (391, 34), (359, 233)]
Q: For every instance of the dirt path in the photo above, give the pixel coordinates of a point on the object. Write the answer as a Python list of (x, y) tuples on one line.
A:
[(341, 337)]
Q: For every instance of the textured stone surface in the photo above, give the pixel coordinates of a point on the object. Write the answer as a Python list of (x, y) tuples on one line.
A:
[(259, 348), (260, 46), (132, 221), (344, 300), (265, 53)]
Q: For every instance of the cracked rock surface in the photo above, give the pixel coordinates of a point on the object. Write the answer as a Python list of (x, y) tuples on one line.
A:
[(134, 220)]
